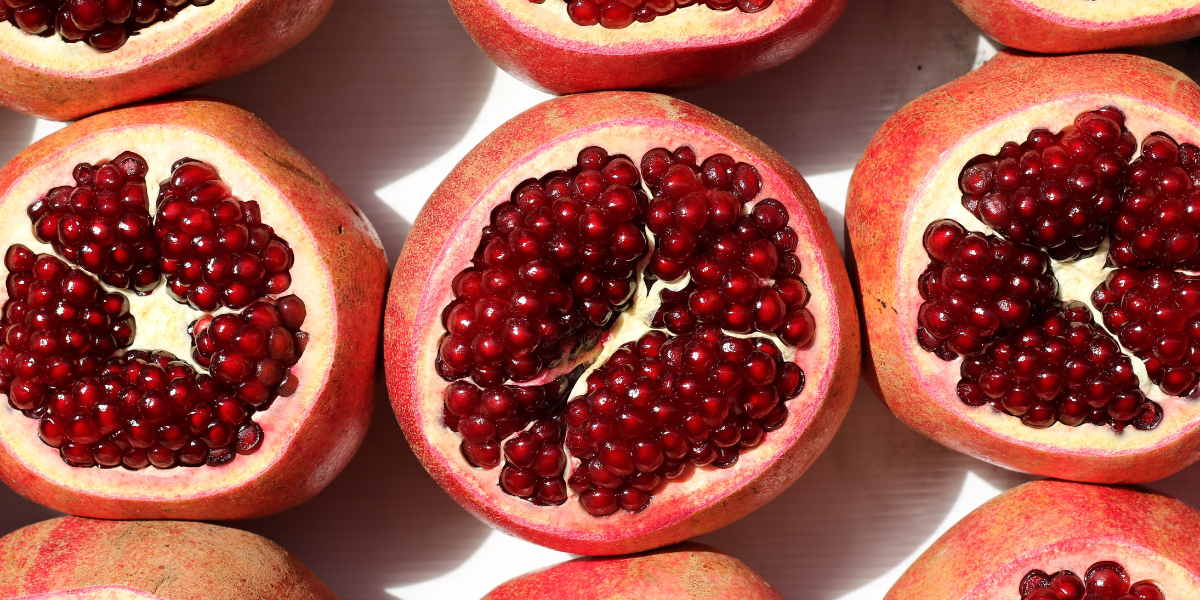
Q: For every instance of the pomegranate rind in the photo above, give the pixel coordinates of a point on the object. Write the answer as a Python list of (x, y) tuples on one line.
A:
[(443, 239), (686, 570), (907, 178), (1053, 525), (1065, 26), (48, 78), (340, 273), (74, 558), (693, 46)]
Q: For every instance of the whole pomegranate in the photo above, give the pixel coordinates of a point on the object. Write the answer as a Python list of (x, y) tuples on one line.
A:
[(1025, 258), (1054, 540), (181, 332), (107, 53), (619, 323)]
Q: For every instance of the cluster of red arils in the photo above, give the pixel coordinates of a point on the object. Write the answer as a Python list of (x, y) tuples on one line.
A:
[(102, 24)]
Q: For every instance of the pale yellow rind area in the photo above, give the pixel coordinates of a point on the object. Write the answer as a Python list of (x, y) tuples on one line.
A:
[(94, 593), (1109, 11)]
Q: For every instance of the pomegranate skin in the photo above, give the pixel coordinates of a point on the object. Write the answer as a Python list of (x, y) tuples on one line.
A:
[(64, 82), (443, 239), (317, 430), (1053, 525), (72, 558), (890, 202), (549, 52), (1023, 25), (686, 570)]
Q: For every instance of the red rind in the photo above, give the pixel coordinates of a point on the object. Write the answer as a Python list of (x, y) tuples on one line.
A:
[(894, 168), (548, 61), (411, 312), (350, 252), (245, 36), (688, 570), (1021, 25), (164, 559), (1042, 516)]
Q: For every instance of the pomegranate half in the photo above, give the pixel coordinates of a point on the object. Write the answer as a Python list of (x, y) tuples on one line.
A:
[(605, 356), (589, 45), (684, 571), (71, 558), (239, 386), (1000, 224), (180, 46), (1064, 26), (1055, 540)]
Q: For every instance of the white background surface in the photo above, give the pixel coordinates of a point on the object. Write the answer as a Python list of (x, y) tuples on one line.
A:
[(389, 94)]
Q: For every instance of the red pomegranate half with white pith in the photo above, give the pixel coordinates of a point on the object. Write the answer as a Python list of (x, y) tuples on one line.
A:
[(188, 317), (619, 323), (65, 59), (1055, 540), (1055, 26), (1025, 260), (588, 45)]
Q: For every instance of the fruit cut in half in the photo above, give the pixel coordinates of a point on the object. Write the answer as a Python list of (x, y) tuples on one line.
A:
[(1056, 540), (131, 50), (604, 346), (588, 45), (207, 356), (71, 558), (683, 571), (1025, 260), (1064, 26)]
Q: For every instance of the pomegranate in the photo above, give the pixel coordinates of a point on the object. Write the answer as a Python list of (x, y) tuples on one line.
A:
[(999, 322), (687, 570), (661, 44), (1055, 26), (221, 330), (65, 59), (71, 558), (1055, 540), (631, 326)]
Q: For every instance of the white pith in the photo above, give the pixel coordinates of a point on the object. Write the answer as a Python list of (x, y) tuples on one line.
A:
[(694, 25), (103, 592), (1077, 554), (670, 503), (152, 43), (1110, 11), (939, 197), (161, 146)]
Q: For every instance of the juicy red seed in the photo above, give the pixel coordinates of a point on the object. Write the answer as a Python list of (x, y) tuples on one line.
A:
[(104, 25)]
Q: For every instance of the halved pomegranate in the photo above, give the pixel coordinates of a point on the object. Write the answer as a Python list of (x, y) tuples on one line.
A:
[(1054, 540), (196, 348), (589, 45), (74, 559), (989, 222), (65, 59), (688, 570), (1062, 26), (619, 323)]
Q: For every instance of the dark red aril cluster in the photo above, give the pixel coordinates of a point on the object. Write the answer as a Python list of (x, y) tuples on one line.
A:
[(103, 223), (1159, 223), (619, 14), (1057, 191), (63, 357), (977, 289), (1156, 315), (558, 262), (102, 24), (1059, 367), (216, 250), (663, 402), (1104, 580)]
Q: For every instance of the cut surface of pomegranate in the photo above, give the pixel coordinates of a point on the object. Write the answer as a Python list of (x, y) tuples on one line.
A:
[(1037, 288), (1056, 540), (103, 25), (642, 326), (228, 366), (614, 14)]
